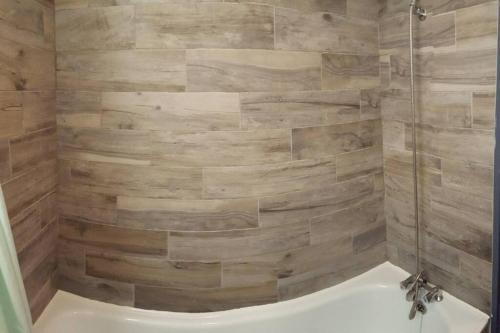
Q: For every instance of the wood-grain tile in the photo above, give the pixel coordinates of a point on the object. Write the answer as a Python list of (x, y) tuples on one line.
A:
[(29, 22), (474, 145), (220, 245), (342, 223), (221, 148), (70, 257), (30, 150), (28, 188), (97, 289), (464, 70), (48, 209), (314, 142), (468, 177), (475, 269), (95, 28), (442, 6), (187, 215), (26, 226), (11, 113), (370, 105), (345, 71), (466, 290), (45, 294), (437, 32), (33, 255), (299, 109), (267, 179), (35, 282), (305, 204), (39, 110), (395, 104), (393, 33), (204, 25), (477, 26), (118, 146), (394, 134), (122, 70), (424, 63), (369, 239), (78, 108), (342, 269), (204, 300), (390, 8), (132, 180), (153, 271), (70, 4), (366, 9), (5, 171), (359, 163), (465, 206), (26, 67), (483, 110), (314, 259), (324, 32), (87, 205), (445, 109), (252, 70), (171, 111), (113, 238), (333, 6)]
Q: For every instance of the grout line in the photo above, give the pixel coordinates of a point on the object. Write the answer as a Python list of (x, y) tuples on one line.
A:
[(221, 275), (259, 224), (471, 110), (274, 28), (168, 246)]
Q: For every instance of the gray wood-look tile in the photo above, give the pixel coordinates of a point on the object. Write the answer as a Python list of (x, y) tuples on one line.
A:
[(345, 71), (187, 215), (267, 179), (252, 70), (95, 28), (204, 25), (171, 111), (122, 70), (226, 148), (325, 32)]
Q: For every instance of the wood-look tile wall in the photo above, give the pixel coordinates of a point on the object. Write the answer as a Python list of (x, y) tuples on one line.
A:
[(456, 68), (217, 154), (28, 140)]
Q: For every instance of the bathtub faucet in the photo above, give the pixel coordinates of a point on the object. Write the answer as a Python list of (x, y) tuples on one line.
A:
[(415, 284)]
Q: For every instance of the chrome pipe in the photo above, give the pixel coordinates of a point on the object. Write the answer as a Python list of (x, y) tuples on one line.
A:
[(414, 141)]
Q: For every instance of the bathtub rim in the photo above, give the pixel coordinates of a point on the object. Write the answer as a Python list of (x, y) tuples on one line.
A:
[(385, 275)]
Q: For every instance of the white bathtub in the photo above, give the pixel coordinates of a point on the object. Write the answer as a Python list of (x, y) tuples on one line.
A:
[(371, 302)]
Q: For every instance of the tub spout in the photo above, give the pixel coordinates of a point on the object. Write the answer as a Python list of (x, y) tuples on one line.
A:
[(417, 306)]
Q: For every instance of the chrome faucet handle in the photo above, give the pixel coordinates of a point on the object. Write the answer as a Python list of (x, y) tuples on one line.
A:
[(405, 284), (419, 279), (435, 294)]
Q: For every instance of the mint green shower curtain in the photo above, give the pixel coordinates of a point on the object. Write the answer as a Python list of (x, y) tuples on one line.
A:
[(15, 316)]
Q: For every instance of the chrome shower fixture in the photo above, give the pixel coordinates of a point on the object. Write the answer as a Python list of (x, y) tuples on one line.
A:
[(420, 12), (419, 292)]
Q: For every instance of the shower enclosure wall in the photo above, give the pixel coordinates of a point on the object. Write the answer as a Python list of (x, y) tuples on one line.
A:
[(28, 141), (219, 154), (455, 101), (215, 155)]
